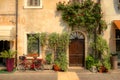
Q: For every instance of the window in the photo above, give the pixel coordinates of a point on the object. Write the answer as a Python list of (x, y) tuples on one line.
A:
[(117, 40), (33, 4), (33, 44), (118, 4)]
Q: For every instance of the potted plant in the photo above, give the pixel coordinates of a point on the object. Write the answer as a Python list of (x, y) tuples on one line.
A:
[(60, 63), (114, 60), (48, 61), (104, 66), (9, 57), (48, 58), (56, 65), (91, 63)]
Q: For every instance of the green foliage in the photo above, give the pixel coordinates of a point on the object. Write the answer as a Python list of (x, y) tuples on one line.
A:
[(102, 25), (59, 44), (90, 61), (48, 58), (8, 54), (43, 39), (61, 61), (58, 41), (53, 40), (63, 41), (106, 61), (101, 45), (86, 14), (32, 41), (60, 6)]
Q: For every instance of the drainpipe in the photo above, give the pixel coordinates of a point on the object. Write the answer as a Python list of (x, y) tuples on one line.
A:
[(16, 6)]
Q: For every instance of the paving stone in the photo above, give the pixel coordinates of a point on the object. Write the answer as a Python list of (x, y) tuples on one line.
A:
[(67, 76)]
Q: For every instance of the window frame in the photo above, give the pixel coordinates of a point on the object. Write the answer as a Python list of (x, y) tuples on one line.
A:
[(26, 4), (117, 34), (39, 46), (79, 0)]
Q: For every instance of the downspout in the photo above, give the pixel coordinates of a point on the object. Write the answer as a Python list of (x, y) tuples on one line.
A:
[(16, 6)]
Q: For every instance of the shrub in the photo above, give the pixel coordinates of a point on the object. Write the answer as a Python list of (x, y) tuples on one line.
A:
[(90, 61)]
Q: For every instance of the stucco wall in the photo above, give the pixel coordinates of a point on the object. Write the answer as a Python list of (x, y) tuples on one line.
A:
[(47, 19), (110, 12), (31, 20), (7, 6), (7, 16)]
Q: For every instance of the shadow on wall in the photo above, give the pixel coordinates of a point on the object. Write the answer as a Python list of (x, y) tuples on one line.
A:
[(62, 23), (116, 4), (112, 42)]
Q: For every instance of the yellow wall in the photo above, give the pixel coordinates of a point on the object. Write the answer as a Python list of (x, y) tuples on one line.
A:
[(47, 19), (7, 16), (31, 20), (110, 12)]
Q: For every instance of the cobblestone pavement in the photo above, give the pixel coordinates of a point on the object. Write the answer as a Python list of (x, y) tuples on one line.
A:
[(87, 75), (52, 75), (41, 75), (99, 76)]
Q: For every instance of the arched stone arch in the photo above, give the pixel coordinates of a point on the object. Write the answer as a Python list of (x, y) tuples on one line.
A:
[(77, 34)]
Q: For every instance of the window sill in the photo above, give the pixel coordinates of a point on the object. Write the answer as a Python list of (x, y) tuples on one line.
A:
[(32, 57), (33, 7)]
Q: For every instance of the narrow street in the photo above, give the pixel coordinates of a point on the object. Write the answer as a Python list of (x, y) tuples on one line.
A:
[(52, 75)]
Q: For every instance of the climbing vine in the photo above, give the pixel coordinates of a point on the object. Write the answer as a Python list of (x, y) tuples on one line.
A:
[(86, 14)]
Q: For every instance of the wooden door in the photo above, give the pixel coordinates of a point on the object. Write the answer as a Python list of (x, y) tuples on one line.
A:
[(76, 52)]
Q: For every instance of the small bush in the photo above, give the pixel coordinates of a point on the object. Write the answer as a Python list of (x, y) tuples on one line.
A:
[(90, 61)]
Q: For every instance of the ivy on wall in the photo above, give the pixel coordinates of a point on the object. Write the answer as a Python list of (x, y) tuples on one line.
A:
[(86, 14)]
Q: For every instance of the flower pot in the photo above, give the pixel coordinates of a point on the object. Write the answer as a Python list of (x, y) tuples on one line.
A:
[(102, 69), (10, 64), (56, 67), (114, 62)]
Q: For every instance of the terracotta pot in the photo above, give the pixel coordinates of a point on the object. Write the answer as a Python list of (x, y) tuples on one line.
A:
[(100, 70), (103, 69), (56, 67)]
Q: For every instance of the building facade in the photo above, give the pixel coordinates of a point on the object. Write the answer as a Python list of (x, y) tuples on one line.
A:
[(37, 16)]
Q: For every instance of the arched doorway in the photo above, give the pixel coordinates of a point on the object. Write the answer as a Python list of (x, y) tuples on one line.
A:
[(76, 49)]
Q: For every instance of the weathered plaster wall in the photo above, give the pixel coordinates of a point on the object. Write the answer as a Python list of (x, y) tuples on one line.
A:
[(7, 16), (31, 20), (7, 6), (110, 12)]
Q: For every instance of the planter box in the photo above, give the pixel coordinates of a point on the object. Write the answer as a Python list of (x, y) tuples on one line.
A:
[(48, 67), (32, 55)]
